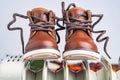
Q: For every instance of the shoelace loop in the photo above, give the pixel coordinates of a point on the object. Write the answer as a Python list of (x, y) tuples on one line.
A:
[(17, 28)]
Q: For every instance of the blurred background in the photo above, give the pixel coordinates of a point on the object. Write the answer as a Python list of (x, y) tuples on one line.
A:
[(10, 40)]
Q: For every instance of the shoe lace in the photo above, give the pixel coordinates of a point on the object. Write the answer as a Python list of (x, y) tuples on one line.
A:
[(84, 24), (34, 27), (17, 28), (44, 26)]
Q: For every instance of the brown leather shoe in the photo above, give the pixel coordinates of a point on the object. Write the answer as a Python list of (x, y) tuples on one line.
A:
[(42, 42), (79, 41)]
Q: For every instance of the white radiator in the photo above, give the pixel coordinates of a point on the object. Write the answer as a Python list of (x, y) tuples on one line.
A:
[(12, 68)]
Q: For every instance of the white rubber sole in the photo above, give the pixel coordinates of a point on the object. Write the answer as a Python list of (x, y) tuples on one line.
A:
[(41, 54), (81, 55)]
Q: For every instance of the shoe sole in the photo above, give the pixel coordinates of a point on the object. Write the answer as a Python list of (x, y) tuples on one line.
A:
[(41, 54), (81, 55)]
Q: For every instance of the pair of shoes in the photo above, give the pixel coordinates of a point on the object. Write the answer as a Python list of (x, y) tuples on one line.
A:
[(42, 43)]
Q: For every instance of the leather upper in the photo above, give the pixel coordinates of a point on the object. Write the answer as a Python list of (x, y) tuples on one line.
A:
[(41, 38), (78, 38)]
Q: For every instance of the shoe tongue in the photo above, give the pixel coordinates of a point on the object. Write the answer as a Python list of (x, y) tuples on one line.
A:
[(39, 13), (76, 11)]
